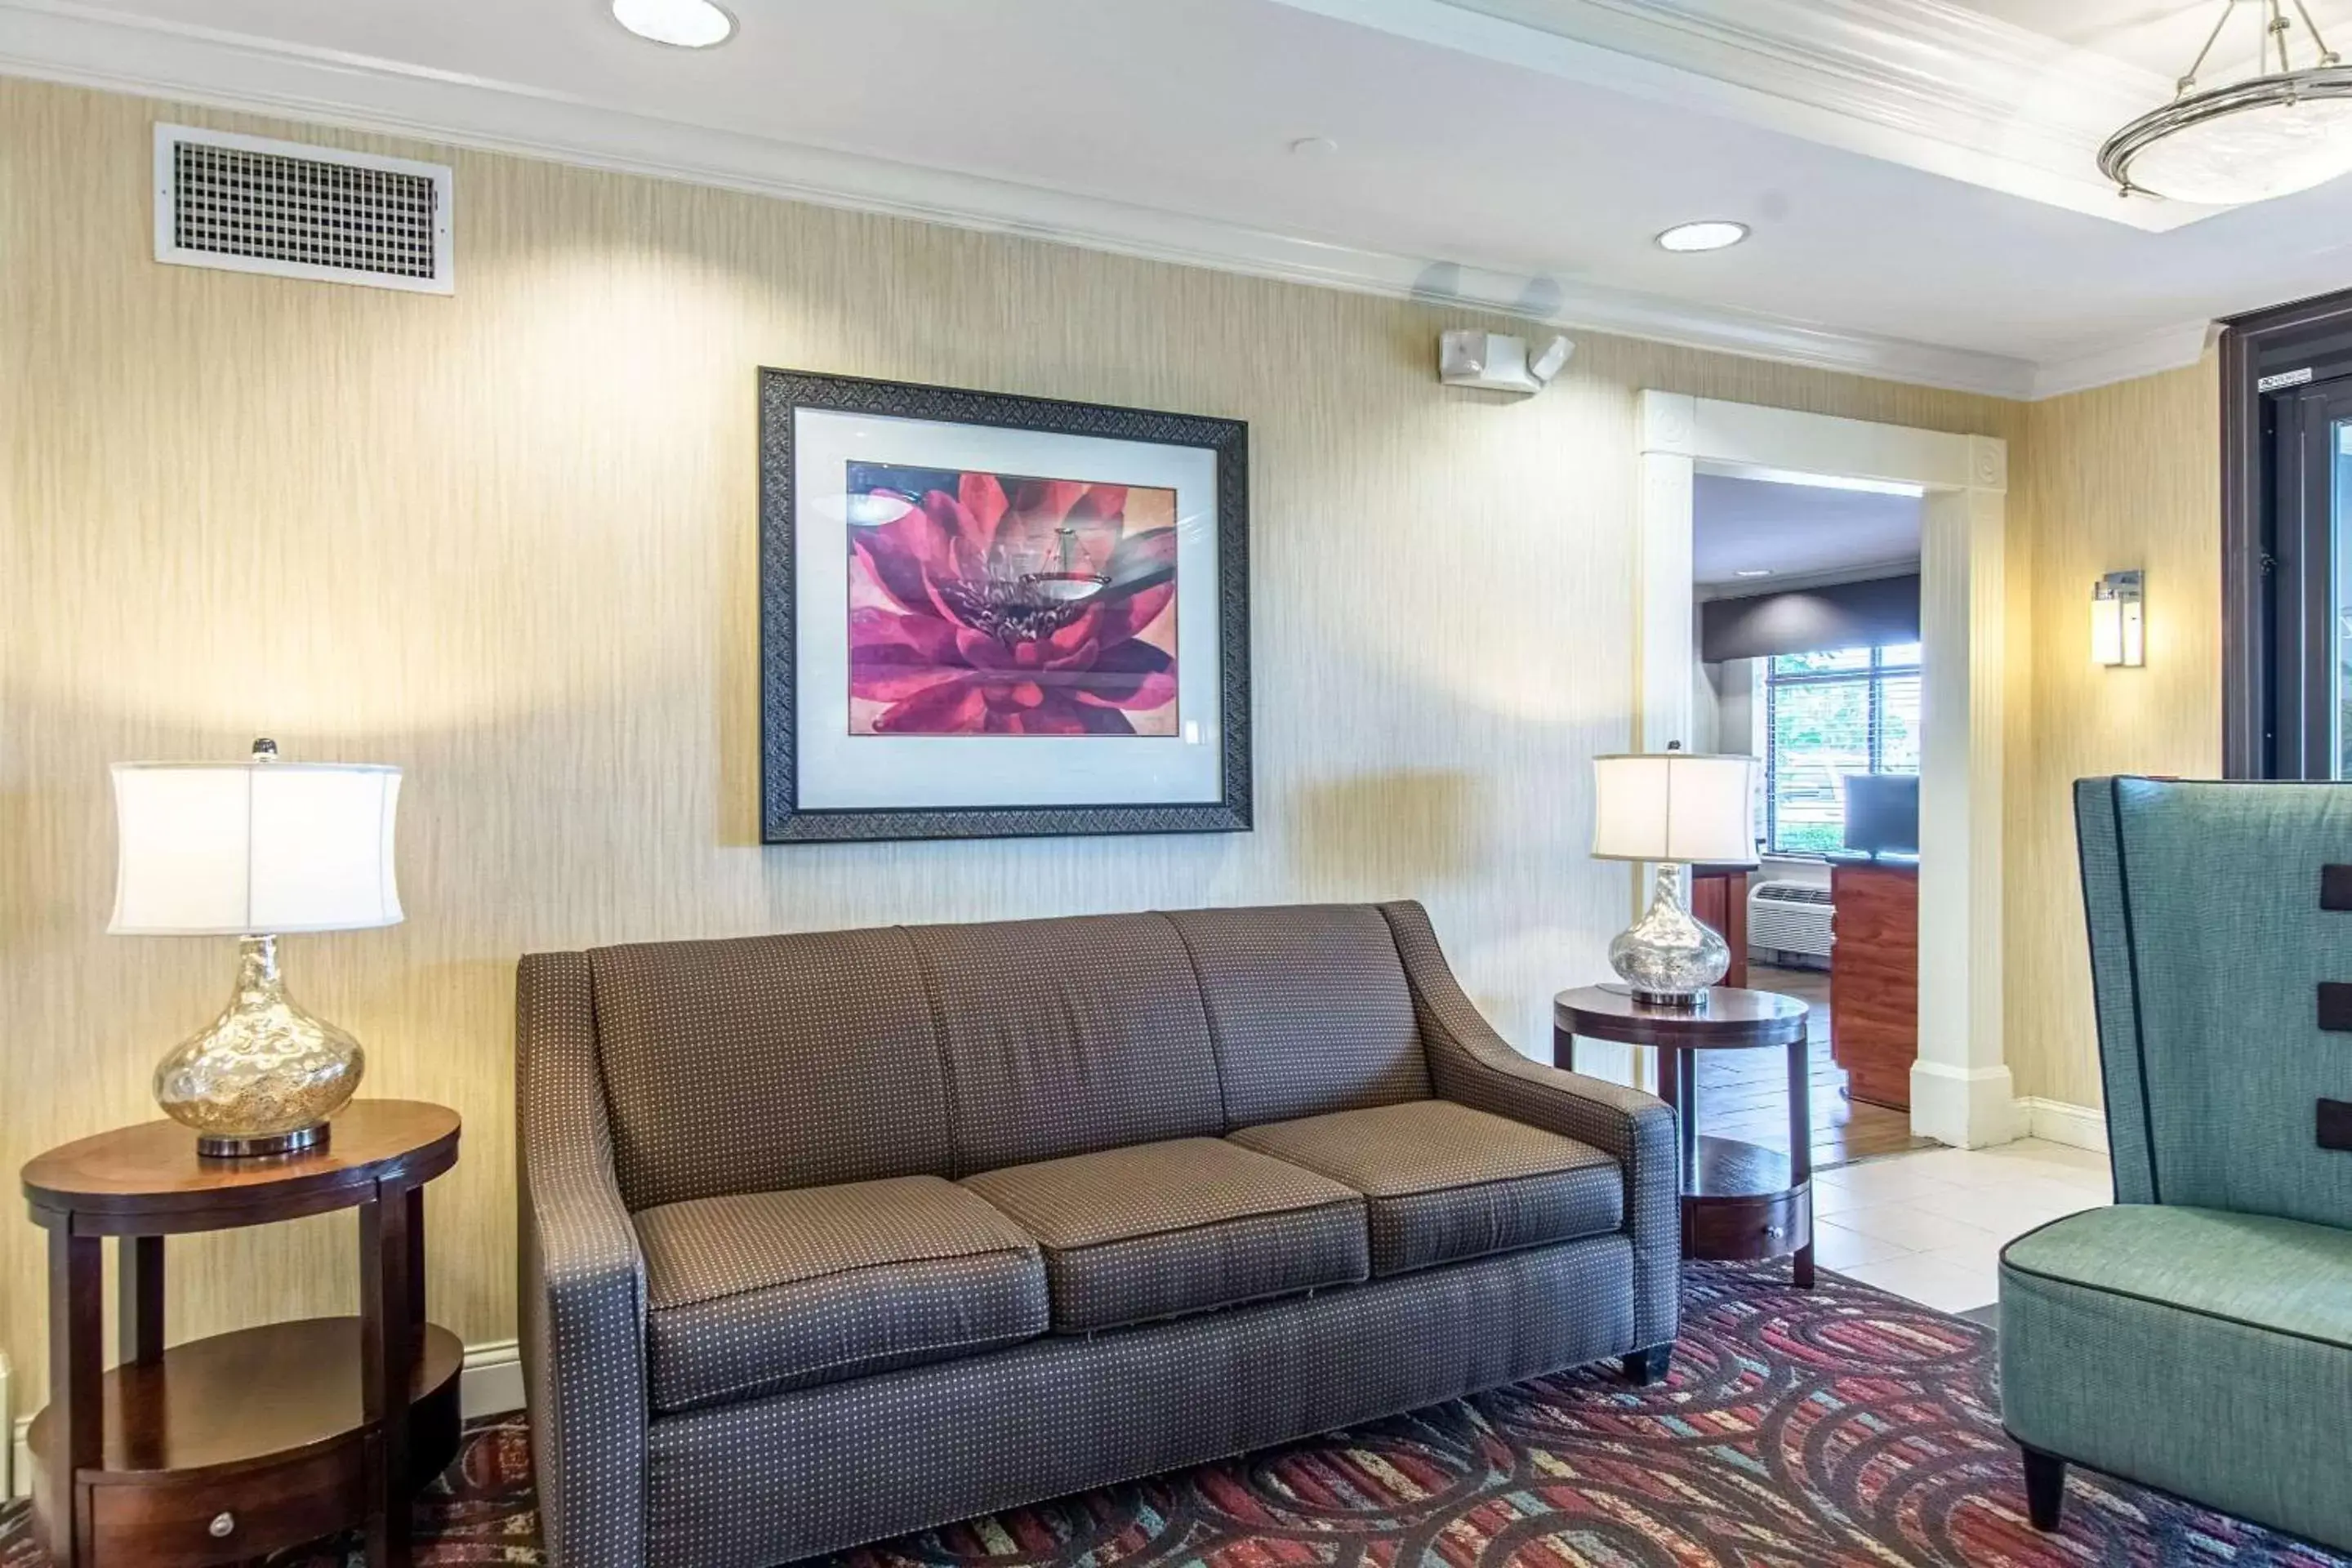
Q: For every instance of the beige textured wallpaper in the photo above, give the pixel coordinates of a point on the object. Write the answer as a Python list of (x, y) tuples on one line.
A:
[(2121, 477), (507, 540)]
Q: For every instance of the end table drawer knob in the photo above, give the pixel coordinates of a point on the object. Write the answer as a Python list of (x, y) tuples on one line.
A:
[(222, 1526)]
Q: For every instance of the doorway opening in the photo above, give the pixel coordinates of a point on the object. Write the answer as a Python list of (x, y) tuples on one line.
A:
[(1806, 598), (1929, 696), (2287, 541)]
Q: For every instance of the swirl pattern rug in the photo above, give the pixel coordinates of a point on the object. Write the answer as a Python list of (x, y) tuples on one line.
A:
[(1801, 1429)]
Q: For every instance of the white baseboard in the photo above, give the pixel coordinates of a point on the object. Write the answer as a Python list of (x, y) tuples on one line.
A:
[(2056, 1121), (1968, 1108), (490, 1385)]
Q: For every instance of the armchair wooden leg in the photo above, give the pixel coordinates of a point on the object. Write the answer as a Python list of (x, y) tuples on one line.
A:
[(2045, 1488), (1649, 1366)]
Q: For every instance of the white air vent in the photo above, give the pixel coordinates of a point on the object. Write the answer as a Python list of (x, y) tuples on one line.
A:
[(1790, 919), (298, 210)]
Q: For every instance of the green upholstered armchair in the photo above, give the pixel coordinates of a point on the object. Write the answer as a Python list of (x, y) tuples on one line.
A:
[(2196, 1338)]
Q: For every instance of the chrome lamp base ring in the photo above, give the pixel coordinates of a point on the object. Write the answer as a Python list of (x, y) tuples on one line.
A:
[(302, 1140)]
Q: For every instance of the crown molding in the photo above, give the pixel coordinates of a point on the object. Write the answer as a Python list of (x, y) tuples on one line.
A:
[(86, 45), (1925, 83), (2151, 353)]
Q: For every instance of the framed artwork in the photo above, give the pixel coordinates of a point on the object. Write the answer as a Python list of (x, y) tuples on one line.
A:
[(989, 617)]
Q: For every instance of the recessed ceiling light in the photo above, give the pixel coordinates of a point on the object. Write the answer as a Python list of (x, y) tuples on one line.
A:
[(1755, 572), (1314, 146), (683, 24), (1712, 235)]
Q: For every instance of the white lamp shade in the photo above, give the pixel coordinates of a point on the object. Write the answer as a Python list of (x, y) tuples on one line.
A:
[(253, 848), (1674, 806)]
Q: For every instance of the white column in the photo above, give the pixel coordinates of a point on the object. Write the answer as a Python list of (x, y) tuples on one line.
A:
[(1662, 708), (1668, 658), (1960, 1088)]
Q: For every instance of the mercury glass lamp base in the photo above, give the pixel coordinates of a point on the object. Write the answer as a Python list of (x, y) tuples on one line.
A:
[(264, 1077), (1670, 958)]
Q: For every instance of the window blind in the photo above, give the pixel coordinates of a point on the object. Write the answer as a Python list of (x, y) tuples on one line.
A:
[(1847, 710)]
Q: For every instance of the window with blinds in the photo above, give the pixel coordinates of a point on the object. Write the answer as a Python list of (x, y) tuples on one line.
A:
[(1849, 710)]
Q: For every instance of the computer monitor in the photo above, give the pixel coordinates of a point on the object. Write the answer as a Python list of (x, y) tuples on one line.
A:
[(1882, 813)]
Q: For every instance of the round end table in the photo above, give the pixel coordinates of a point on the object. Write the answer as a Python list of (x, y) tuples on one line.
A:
[(243, 1444), (1740, 1201)]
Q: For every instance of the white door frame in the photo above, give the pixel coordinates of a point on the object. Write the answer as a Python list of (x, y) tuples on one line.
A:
[(1960, 1088)]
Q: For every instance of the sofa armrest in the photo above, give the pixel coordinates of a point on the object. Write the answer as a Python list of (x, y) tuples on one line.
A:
[(1471, 1065), (582, 1302)]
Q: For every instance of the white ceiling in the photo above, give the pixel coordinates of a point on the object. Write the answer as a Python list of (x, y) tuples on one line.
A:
[(1164, 129), (2155, 35), (1794, 531)]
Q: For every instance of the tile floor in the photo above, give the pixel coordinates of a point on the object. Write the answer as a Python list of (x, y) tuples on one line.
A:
[(1930, 1225)]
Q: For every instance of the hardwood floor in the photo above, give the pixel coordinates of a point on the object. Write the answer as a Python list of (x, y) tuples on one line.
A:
[(1744, 1094)]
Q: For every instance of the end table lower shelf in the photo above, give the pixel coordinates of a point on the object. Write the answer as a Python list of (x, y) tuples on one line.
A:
[(1742, 1203), (247, 1443)]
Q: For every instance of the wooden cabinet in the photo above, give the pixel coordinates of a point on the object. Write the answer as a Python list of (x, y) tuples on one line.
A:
[(1874, 978), (1719, 899)]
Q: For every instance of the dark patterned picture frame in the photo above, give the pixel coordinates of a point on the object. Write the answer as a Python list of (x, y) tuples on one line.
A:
[(784, 820)]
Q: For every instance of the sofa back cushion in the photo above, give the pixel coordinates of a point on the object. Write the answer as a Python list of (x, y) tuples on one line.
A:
[(1308, 1007), (767, 1063), (1063, 1037)]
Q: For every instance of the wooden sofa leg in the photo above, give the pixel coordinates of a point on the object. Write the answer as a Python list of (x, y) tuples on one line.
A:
[(1649, 1366), (2045, 1488)]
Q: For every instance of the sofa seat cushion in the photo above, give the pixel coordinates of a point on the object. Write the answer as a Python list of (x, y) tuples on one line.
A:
[(1443, 1183), (762, 1292), (1161, 1229), (2197, 1351)]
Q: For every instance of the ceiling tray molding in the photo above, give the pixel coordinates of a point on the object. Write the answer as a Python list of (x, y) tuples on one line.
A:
[(84, 46), (1925, 83), (2167, 348)]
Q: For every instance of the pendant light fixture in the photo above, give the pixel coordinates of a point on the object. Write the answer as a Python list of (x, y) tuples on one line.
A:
[(2285, 129)]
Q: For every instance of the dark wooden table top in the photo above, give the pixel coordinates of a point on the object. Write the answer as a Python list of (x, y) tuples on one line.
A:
[(1731, 1020), (153, 1169)]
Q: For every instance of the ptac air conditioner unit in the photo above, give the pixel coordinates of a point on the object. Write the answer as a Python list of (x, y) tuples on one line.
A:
[(1790, 920)]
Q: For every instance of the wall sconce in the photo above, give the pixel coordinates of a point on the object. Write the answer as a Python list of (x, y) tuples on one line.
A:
[(2119, 632)]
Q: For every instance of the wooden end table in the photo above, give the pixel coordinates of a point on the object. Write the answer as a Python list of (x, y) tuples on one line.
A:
[(1739, 1202), (230, 1447)]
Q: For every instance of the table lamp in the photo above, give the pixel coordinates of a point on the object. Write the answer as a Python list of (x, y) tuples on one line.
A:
[(256, 850), (1675, 809)]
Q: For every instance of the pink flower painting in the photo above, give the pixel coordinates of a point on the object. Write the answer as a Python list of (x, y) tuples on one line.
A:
[(984, 604)]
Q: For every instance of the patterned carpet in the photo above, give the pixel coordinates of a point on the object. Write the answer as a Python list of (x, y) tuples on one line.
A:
[(1800, 1430)]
